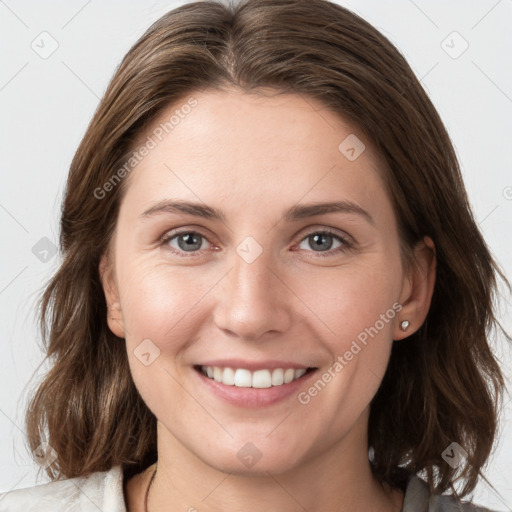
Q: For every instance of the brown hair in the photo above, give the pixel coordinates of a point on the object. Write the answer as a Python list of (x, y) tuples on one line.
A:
[(88, 402)]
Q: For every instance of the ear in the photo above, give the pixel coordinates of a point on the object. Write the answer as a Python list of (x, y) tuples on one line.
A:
[(418, 289), (114, 312)]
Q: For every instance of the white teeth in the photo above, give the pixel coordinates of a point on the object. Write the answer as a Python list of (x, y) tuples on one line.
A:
[(228, 376), (217, 374), (299, 373), (289, 375), (277, 377), (243, 378), (261, 379)]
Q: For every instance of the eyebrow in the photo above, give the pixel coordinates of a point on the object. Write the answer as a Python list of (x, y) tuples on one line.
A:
[(296, 212)]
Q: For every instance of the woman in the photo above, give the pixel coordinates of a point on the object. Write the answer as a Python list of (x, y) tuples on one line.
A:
[(274, 294)]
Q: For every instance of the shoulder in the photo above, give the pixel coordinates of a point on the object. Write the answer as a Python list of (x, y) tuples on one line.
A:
[(102, 490), (418, 499)]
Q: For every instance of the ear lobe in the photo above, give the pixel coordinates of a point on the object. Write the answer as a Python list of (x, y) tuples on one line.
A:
[(114, 313), (419, 289)]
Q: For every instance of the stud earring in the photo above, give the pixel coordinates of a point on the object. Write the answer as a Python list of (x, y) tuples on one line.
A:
[(404, 325)]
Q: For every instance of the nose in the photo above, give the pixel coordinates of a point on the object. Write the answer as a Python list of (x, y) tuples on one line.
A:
[(253, 299)]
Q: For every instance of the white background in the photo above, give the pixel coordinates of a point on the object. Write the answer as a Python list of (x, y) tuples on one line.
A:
[(46, 104)]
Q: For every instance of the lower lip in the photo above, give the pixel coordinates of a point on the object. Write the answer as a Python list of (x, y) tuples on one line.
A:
[(254, 397)]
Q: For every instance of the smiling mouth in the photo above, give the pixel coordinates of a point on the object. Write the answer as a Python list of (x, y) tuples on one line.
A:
[(241, 377)]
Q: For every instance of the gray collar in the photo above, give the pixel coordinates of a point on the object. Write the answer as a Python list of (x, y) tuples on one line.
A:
[(418, 499)]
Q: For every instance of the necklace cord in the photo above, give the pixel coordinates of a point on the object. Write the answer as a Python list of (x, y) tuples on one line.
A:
[(148, 488)]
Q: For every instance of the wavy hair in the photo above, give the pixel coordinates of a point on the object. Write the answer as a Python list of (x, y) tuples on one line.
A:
[(87, 406)]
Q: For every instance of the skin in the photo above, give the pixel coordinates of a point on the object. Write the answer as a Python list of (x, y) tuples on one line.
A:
[(253, 156)]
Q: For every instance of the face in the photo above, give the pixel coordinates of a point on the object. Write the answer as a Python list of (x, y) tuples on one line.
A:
[(267, 282)]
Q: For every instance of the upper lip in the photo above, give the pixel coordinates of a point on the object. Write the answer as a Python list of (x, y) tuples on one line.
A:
[(269, 364)]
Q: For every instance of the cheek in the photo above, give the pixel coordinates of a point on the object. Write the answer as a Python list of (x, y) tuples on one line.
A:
[(353, 297), (161, 303), (160, 311), (359, 305)]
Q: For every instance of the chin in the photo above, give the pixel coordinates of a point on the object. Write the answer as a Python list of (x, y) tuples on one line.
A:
[(252, 459)]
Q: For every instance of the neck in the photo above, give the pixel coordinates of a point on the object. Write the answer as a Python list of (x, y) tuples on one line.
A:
[(184, 482)]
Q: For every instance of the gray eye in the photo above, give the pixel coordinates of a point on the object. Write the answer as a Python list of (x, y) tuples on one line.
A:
[(188, 242), (320, 242)]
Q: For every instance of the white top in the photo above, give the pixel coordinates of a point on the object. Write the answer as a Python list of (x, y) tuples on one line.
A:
[(103, 492), (99, 492)]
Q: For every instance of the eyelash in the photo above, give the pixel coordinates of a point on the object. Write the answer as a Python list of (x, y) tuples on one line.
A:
[(345, 247)]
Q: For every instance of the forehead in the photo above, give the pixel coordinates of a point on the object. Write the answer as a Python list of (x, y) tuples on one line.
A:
[(259, 149)]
